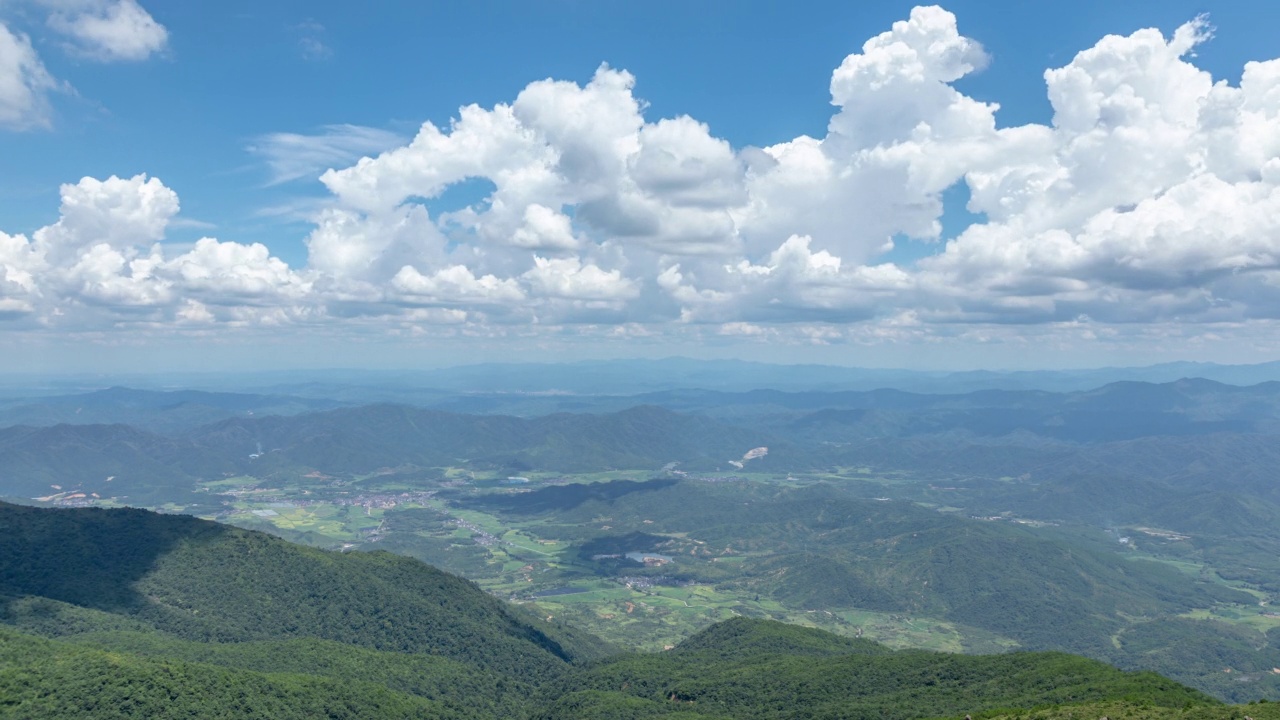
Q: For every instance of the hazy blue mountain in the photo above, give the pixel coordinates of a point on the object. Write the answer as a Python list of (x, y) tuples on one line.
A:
[(630, 377), (164, 411), (118, 460)]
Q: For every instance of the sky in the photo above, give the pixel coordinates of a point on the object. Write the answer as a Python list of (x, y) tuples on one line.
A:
[(284, 184)]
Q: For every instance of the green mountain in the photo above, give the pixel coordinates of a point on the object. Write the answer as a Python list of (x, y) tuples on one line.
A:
[(819, 548), (832, 550), (201, 581), (111, 460), (43, 679), (148, 615), (759, 669)]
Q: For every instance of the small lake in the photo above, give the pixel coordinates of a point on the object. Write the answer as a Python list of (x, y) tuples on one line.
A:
[(640, 556)]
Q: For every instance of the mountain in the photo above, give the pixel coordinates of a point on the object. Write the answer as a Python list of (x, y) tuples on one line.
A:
[(750, 670), (201, 581), (993, 433), (162, 411), (625, 377), (821, 551), (110, 460), (120, 461), (367, 438), (44, 679), (168, 616), (819, 547)]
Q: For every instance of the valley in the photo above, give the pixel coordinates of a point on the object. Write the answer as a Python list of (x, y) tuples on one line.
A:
[(123, 612), (983, 522), (558, 545)]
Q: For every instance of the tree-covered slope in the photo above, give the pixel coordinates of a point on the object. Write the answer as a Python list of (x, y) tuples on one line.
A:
[(167, 616), (701, 677), (1134, 711), (41, 679), (112, 460), (450, 684), (202, 581), (742, 637)]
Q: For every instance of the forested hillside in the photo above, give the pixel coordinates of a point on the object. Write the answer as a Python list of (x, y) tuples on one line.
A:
[(162, 616), (202, 581)]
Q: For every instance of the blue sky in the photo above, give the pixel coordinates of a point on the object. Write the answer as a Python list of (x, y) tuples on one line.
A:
[(233, 110)]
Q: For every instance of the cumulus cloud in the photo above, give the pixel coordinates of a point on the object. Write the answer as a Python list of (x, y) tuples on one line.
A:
[(116, 212), (570, 279), (103, 260), (108, 30), (456, 285), (902, 135), (1152, 196), (667, 186), (584, 179)]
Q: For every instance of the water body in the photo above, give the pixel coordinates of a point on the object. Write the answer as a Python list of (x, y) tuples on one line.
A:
[(640, 556)]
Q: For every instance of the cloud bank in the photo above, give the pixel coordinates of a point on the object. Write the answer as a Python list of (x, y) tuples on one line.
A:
[(1152, 199)]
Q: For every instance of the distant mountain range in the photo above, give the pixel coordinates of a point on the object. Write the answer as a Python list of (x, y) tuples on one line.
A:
[(122, 461), (170, 411), (627, 377), (1115, 411), (1156, 432)]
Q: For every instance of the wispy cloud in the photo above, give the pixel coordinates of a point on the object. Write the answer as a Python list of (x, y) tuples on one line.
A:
[(183, 223), (311, 41), (294, 156), (24, 83)]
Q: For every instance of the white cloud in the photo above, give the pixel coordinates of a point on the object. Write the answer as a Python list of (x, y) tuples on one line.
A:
[(348, 246), (570, 279), (294, 156), (1152, 199), (456, 285), (24, 83), (108, 30), (233, 273), (18, 282), (311, 42), (103, 30), (545, 229), (103, 261), (902, 135), (117, 212), (793, 283)]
